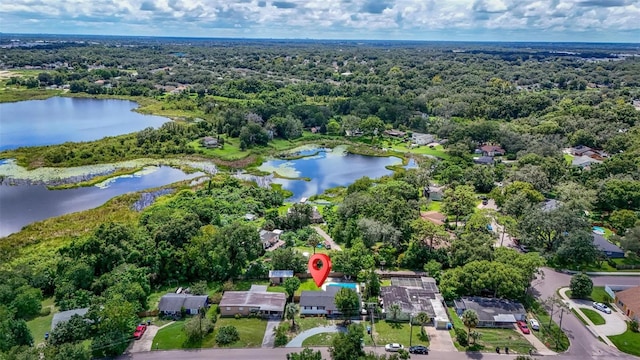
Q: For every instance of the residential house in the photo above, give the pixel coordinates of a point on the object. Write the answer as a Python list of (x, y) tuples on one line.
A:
[(172, 304), (256, 301), (422, 139), (609, 249), (395, 133), (320, 302), (483, 160), (316, 217), (277, 277), (584, 162), (492, 312), (629, 302), (580, 150), (65, 316), (492, 150), (433, 192), (414, 296), (270, 239), (209, 142)]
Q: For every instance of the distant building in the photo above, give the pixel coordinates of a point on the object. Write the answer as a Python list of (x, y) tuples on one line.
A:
[(395, 133), (484, 160), (277, 277), (491, 150), (316, 217), (257, 301), (584, 162), (422, 139), (209, 142), (492, 312), (249, 217), (434, 193), (270, 239)]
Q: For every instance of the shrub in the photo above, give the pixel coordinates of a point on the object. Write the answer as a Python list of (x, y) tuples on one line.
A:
[(237, 316), (461, 337), (227, 335), (46, 311), (281, 336), (633, 325)]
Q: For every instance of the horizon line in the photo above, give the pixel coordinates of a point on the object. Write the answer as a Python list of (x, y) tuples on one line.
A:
[(323, 39)]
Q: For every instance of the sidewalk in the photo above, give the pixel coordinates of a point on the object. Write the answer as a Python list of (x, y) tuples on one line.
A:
[(603, 273)]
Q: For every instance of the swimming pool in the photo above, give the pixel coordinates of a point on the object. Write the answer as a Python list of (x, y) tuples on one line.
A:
[(351, 286), (598, 230)]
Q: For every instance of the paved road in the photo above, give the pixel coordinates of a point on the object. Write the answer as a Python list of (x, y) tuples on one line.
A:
[(327, 238), (583, 344)]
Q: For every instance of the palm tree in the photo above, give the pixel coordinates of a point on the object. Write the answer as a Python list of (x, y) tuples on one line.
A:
[(422, 318), (290, 312), (470, 320), (394, 311)]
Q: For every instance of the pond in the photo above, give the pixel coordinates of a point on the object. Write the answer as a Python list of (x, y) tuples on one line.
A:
[(60, 119), (326, 168), (24, 204)]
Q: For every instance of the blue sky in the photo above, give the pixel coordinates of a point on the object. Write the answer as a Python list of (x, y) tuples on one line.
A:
[(461, 20)]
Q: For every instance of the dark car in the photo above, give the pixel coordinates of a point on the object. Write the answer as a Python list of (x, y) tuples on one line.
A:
[(485, 201), (419, 349)]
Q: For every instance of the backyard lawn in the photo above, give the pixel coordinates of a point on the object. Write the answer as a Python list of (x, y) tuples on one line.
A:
[(491, 338), (42, 324), (307, 284), (628, 342), (593, 315)]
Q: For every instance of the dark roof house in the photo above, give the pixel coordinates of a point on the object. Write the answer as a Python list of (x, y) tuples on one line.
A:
[(609, 249), (173, 303), (484, 160), (492, 312), (320, 302), (209, 142), (413, 295), (64, 316)]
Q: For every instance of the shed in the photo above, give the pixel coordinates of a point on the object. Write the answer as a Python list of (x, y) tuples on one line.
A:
[(278, 276)]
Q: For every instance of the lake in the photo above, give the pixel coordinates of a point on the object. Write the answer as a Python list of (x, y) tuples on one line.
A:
[(60, 119), (25, 204), (326, 169)]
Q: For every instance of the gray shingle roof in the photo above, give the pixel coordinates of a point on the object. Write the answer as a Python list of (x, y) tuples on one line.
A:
[(64, 316), (174, 302), (281, 273), (490, 309), (411, 300), (604, 245), (320, 298), (266, 301)]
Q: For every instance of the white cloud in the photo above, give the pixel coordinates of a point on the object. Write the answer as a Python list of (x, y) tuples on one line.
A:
[(411, 19)]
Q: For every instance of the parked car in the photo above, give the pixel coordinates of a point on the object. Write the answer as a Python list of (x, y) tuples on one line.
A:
[(534, 325), (485, 202), (523, 327), (140, 329), (419, 349), (602, 307), (395, 347)]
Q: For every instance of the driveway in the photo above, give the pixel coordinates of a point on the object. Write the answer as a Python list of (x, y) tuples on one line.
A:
[(327, 238), (269, 339), (296, 342), (439, 340), (146, 341), (615, 323)]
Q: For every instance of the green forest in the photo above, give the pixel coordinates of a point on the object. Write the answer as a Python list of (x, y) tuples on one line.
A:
[(536, 104)]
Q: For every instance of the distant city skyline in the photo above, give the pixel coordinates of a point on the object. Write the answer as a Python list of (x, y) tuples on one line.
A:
[(444, 20)]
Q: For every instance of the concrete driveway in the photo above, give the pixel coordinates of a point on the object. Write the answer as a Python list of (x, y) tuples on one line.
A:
[(615, 323), (145, 342), (327, 238), (439, 340), (269, 339)]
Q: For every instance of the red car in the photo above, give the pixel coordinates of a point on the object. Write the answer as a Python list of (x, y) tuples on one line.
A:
[(140, 329), (523, 327)]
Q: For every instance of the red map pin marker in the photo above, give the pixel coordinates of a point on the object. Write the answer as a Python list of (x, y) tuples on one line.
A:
[(319, 267)]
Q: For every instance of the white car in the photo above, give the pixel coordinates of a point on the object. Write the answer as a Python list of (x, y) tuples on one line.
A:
[(602, 307), (534, 325), (395, 347)]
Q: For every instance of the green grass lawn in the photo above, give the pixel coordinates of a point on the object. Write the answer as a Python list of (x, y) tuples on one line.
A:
[(309, 322), (628, 342), (593, 315), (437, 151), (230, 151), (388, 332), (173, 337), (491, 338), (307, 284), (597, 294), (323, 339), (568, 158), (434, 206), (39, 326), (251, 331), (552, 337), (309, 249)]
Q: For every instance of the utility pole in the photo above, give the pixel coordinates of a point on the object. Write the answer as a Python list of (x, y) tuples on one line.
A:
[(560, 330), (410, 328)]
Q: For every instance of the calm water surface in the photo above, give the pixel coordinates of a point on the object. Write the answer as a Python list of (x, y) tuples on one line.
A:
[(23, 205), (326, 170), (60, 119)]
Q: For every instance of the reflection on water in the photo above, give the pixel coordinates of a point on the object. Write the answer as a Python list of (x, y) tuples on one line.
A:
[(24, 204), (327, 169)]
